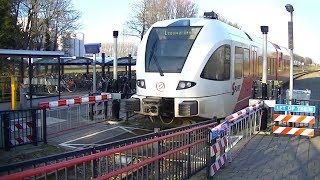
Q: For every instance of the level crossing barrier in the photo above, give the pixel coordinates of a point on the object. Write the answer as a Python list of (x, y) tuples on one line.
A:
[(75, 112), (287, 120), (236, 129)]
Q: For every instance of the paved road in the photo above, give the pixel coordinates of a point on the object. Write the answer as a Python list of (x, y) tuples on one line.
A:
[(311, 82), (272, 157)]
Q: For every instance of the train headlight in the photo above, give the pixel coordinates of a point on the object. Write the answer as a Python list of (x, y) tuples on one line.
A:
[(185, 85), (141, 83)]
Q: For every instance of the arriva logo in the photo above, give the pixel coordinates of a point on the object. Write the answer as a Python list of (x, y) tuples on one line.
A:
[(160, 86), (235, 88)]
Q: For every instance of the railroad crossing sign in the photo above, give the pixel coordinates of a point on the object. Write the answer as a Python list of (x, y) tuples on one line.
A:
[(295, 108)]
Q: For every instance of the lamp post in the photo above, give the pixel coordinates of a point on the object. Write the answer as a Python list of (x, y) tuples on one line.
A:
[(264, 30), (290, 9)]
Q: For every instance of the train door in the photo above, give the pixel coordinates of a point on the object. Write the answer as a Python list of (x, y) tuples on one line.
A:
[(240, 87)]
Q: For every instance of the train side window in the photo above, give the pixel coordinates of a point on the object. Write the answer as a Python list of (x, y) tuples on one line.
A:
[(218, 65), (246, 64), (255, 63), (238, 64)]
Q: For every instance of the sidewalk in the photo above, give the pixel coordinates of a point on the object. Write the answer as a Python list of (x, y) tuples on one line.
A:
[(273, 157)]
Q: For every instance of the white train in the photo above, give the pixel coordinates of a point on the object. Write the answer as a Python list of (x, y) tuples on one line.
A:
[(200, 67)]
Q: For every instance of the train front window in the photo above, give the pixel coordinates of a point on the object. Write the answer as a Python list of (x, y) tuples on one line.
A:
[(168, 48)]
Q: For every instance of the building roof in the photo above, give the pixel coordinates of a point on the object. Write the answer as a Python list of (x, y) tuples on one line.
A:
[(30, 53)]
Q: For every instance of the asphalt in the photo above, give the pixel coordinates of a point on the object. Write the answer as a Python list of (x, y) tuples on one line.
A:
[(268, 156)]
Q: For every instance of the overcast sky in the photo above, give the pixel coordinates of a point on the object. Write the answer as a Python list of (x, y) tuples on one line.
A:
[(101, 17)]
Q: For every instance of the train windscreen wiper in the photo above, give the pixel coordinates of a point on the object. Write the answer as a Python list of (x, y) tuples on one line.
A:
[(155, 58)]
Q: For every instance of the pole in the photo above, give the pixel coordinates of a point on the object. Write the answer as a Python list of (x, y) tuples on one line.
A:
[(94, 86), (290, 9), (264, 30), (115, 63), (13, 93), (290, 33)]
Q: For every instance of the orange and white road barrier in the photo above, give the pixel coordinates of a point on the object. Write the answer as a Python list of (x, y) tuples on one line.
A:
[(293, 130)]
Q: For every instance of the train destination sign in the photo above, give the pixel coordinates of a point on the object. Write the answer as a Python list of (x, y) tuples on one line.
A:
[(294, 108)]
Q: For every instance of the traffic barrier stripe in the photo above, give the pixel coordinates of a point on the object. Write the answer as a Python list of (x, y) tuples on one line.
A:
[(294, 118), (244, 112), (218, 164), (218, 146), (293, 131), (66, 102), (21, 140), (18, 126)]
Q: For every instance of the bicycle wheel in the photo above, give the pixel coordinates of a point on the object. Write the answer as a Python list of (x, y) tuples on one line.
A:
[(52, 89)]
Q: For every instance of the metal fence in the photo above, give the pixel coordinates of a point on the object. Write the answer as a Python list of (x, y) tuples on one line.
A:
[(19, 127), (76, 112), (229, 137), (172, 154)]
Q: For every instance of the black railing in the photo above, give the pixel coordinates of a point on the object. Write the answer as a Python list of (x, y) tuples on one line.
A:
[(19, 127)]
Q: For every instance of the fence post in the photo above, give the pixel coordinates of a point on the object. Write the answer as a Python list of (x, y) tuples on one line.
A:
[(210, 160), (44, 125), (34, 126), (6, 130), (189, 155), (94, 163), (156, 153)]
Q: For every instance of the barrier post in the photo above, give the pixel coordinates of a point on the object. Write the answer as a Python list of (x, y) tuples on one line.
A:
[(91, 111), (210, 159), (105, 109), (115, 109), (44, 125), (264, 119)]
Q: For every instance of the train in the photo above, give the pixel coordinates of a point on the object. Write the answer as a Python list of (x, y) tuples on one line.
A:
[(200, 68)]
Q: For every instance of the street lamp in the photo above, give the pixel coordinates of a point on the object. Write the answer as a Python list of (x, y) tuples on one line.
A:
[(290, 9)]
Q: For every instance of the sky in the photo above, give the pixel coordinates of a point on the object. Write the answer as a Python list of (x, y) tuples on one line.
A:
[(101, 17)]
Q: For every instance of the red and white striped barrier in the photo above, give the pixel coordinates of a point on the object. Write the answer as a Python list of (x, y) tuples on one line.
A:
[(21, 140), (75, 101), (293, 130), (294, 118), (244, 112), (218, 164), (218, 146), (22, 128)]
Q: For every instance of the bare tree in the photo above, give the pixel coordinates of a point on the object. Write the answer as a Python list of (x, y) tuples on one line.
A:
[(124, 49), (147, 12), (44, 21)]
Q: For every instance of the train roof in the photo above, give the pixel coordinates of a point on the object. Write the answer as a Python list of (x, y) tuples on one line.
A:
[(233, 32)]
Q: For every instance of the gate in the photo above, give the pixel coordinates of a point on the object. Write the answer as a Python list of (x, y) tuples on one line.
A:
[(19, 127)]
